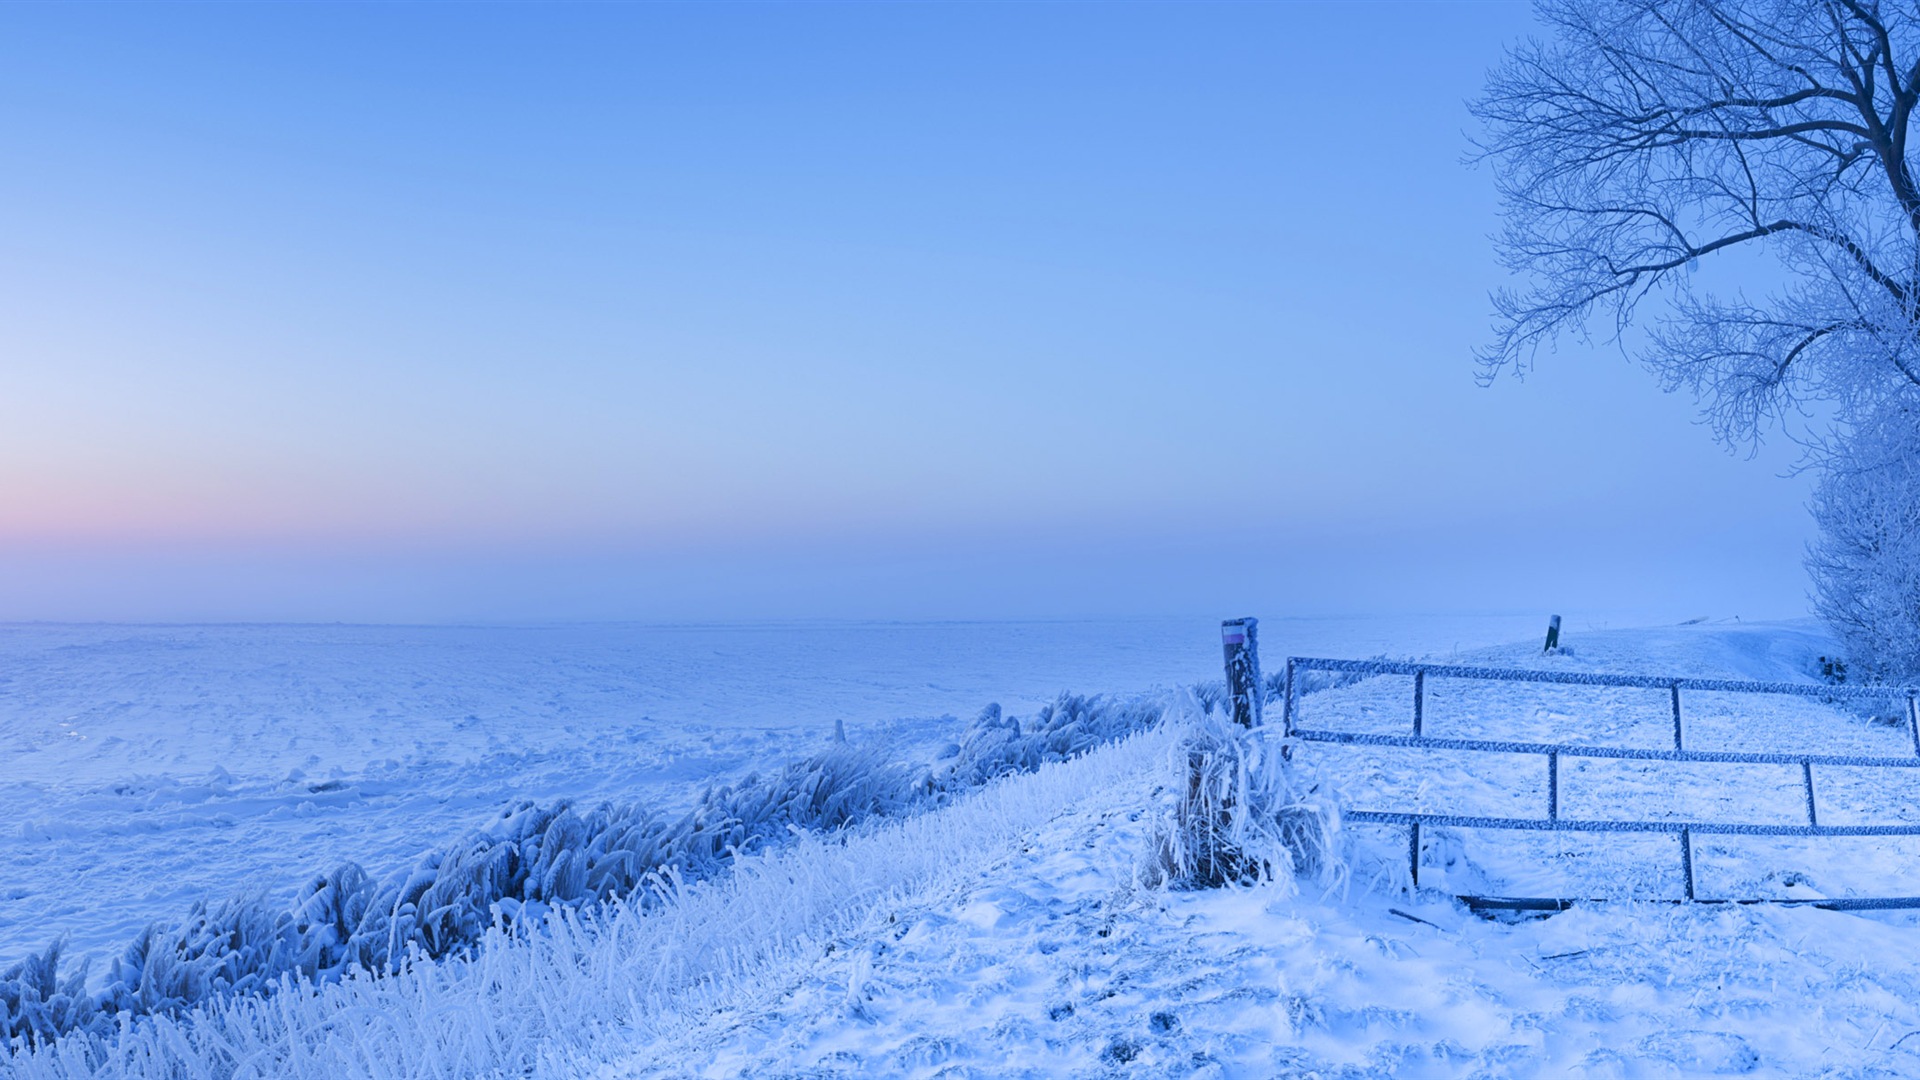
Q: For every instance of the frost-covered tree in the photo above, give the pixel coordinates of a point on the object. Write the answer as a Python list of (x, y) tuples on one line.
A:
[(1648, 138), (1866, 563), (1651, 135)]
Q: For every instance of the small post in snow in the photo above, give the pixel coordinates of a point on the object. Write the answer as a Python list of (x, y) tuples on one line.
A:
[(1239, 638), (1553, 634), (1913, 720)]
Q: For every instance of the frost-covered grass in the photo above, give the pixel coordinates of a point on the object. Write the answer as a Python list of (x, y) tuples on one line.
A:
[(534, 861), (540, 996), (1242, 814)]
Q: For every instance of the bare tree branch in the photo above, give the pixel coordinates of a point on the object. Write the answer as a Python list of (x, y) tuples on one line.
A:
[(1653, 137)]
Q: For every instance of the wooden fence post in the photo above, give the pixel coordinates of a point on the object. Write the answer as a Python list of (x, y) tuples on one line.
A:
[(1239, 638)]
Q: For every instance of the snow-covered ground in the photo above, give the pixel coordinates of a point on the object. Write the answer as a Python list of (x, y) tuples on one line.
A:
[(144, 768), (1007, 934), (1049, 964)]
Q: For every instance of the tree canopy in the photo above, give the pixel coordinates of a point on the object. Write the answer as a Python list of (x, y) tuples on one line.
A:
[(1649, 136)]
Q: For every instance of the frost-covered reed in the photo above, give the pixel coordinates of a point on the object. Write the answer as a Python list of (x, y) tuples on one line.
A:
[(539, 866), (1242, 812), (553, 996)]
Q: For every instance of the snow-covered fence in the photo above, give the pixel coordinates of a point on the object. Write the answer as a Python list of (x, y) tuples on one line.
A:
[(1297, 667)]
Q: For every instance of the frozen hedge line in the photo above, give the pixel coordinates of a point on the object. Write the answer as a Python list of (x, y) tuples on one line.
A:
[(530, 860)]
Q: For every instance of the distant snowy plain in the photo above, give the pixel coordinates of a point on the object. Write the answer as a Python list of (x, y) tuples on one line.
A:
[(1003, 935)]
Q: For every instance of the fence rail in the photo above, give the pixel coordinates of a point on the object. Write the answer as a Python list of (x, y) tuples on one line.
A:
[(1596, 678), (1553, 752)]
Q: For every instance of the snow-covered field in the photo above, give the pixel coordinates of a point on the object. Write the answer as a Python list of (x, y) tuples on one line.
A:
[(1003, 934), (146, 767)]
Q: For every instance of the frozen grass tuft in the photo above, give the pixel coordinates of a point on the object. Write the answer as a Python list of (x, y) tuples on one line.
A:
[(1243, 813)]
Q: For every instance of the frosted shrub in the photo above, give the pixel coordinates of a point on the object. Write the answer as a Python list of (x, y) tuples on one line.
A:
[(37, 1000), (1866, 562), (1240, 814)]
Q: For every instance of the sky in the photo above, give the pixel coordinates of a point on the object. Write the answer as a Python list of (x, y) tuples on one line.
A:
[(436, 312)]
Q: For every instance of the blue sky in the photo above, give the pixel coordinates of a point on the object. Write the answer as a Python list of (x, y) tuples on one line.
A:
[(436, 312)]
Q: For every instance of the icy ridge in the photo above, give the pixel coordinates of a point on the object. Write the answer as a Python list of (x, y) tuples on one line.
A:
[(531, 861)]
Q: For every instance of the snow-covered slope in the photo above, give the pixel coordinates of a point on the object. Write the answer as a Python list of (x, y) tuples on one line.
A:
[(145, 768), (1055, 964), (1007, 935), (1047, 964)]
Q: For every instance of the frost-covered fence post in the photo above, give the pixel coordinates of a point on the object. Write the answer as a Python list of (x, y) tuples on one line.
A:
[(1208, 840), (1286, 710), (1239, 638), (1553, 634)]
